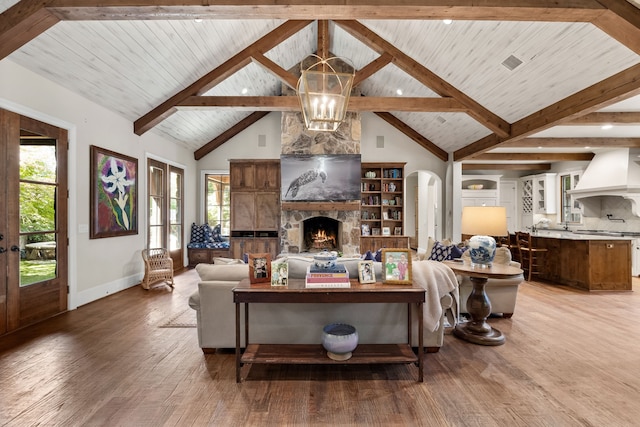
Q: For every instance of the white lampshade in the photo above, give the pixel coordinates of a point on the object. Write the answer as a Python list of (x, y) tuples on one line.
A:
[(483, 222)]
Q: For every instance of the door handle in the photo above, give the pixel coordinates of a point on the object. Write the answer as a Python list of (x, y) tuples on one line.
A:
[(2, 250), (15, 248), (1, 236)]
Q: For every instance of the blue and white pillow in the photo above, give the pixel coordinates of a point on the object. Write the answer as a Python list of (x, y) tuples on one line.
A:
[(197, 234), (440, 252)]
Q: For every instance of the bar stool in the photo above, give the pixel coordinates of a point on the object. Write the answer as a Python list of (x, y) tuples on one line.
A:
[(528, 254)]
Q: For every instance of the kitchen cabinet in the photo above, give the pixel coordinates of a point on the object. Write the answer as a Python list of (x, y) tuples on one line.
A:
[(544, 193), (480, 190), (590, 264)]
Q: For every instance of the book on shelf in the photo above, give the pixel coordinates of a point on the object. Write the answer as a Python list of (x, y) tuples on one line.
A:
[(319, 282)]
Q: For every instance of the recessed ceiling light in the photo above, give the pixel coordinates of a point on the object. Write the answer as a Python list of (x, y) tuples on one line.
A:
[(539, 147), (607, 126), (399, 92), (447, 21), (244, 90), (587, 148), (198, 19)]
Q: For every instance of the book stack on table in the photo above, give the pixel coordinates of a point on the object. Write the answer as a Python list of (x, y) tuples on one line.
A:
[(336, 276)]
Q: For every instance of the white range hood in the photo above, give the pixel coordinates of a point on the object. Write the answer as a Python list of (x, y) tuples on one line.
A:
[(614, 172)]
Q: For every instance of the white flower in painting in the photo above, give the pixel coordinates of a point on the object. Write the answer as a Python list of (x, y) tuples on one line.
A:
[(117, 179)]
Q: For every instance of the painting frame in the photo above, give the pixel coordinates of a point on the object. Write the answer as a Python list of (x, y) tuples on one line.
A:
[(366, 272), (396, 266), (259, 268), (113, 189)]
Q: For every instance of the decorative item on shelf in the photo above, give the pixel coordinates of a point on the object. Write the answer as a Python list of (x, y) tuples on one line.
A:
[(370, 174), (396, 266), (324, 93), (392, 202), (279, 272), (366, 273), (365, 229), (483, 222), (325, 259), (386, 231), (259, 268), (392, 187), (475, 187), (339, 339), (397, 231)]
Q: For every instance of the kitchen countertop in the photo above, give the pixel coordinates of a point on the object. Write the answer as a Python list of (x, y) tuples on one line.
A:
[(585, 235)]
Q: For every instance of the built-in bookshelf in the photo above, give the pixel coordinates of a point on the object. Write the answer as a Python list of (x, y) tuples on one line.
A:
[(382, 205)]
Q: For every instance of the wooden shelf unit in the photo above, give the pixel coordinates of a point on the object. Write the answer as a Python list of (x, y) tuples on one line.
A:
[(255, 206), (382, 206)]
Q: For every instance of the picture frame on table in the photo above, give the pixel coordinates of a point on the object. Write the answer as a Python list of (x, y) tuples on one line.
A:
[(113, 188), (260, 268), (366, 274), (396, 266), (386, 231)]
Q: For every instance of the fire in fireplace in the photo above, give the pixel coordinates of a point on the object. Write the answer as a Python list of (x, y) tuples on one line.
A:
[(321, 233)]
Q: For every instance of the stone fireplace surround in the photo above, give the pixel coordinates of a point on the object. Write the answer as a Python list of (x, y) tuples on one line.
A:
[(296, 139)]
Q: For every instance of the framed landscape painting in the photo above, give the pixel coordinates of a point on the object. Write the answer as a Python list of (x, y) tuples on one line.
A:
[(113, 194)]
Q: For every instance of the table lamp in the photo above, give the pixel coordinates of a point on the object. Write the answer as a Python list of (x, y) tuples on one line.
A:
[(483, 222)]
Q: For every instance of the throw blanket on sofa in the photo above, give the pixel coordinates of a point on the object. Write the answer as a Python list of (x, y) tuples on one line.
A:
[(438, 280)]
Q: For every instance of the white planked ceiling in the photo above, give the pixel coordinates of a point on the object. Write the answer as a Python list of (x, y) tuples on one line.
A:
[(131, 67)]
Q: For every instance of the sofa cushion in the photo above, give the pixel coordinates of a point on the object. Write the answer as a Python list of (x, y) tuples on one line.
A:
[(222, 260), (223, 272), (440, 252)]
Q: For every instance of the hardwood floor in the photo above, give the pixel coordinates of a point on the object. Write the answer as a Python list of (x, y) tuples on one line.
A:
[(571, 359)]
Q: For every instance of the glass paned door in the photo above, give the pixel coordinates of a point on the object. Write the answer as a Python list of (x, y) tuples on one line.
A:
[(166, 205)]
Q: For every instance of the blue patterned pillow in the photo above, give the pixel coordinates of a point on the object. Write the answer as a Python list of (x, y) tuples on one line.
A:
[(440, 252), (378, 255), (208, 233), (197, 234), (455, 252), (368, 256), (216, 233)]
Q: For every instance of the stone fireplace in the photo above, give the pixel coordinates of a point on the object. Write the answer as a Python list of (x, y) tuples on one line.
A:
[(320, 233), (297, 225), (296, 139)]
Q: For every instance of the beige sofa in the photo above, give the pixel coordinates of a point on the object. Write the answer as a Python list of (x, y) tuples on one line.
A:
[(502, 293), (303, 323)]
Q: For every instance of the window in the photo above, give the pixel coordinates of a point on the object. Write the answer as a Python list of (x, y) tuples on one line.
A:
[(570, 211), (218, 202)]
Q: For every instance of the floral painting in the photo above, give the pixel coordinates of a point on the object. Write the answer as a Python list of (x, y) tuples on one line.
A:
[(114, 194)]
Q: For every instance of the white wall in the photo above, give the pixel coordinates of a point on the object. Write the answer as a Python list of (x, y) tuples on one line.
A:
[(397, 148), (97, 267)]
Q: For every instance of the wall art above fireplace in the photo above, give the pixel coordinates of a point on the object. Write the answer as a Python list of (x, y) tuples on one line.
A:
[(325, 177)]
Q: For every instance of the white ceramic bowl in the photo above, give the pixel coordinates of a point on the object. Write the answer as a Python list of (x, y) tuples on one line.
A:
[(339, 339)]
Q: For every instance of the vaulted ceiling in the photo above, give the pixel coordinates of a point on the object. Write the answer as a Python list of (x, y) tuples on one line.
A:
[(198, 74)]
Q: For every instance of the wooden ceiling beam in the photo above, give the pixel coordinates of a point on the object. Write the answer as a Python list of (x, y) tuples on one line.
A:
[(371, 68), (426, 76), (291, 103), (572, 142), (622, 22), (616, 88), (506, 166), (415, 136), (217, 75), (603, 118), (273, 68), (511, 10), (228, 134), (519, 157), (23, 22)]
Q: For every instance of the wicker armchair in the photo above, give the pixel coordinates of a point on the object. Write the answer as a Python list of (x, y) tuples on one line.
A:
[(158, 266)]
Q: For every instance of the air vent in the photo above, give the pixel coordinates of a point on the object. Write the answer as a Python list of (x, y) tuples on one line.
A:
[(511, 63), (441, 119)]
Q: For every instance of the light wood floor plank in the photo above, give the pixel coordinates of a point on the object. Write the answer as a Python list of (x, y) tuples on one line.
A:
[(571, 359)]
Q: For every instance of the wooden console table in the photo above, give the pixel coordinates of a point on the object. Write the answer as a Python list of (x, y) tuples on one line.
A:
[(295, 292), (477, 330)]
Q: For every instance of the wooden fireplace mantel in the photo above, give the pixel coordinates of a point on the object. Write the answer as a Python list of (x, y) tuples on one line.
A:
[(321, 206)]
